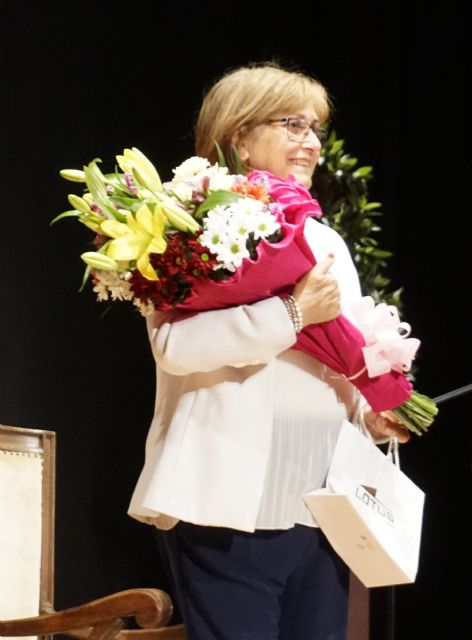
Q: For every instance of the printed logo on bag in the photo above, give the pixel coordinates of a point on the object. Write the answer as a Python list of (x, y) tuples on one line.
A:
[(367, 495)]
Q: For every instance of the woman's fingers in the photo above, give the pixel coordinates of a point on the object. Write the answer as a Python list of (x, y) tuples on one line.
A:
[(385, 425), (318, 294), (324, 265), (391, 426)]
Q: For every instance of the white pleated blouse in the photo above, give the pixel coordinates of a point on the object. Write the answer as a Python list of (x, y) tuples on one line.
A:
[(311, 403)]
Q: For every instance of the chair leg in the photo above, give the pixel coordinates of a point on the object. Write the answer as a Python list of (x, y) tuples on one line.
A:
[(358, 616)]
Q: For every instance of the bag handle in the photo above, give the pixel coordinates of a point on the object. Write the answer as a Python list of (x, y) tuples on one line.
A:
[(393, 451)]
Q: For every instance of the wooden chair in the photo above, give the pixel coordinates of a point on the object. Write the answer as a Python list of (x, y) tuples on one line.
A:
[(29, 454), (27, 500)]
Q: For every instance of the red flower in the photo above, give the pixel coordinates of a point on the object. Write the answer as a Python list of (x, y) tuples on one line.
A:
[(184, 261)]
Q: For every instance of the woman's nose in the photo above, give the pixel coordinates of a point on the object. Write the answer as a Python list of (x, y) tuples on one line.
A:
[(311, 141)]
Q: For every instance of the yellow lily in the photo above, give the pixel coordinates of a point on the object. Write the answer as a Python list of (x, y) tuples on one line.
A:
[(136, 163), (137, 238)]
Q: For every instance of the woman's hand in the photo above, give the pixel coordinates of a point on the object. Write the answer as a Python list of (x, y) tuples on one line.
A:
[(385, 425), (318, 294)]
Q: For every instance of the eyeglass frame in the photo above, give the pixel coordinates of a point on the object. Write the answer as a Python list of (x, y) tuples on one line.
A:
[(319, 131)]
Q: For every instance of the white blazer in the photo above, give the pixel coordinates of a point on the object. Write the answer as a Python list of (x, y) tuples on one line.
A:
[(208, 445)]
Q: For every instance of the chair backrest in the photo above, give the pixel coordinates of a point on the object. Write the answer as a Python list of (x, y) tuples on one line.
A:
[(27, 496)]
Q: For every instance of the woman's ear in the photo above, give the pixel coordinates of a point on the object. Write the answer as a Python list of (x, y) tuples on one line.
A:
[(239, 141)]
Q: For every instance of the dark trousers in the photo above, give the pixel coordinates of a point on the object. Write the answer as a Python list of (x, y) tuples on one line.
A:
[(268, 585)]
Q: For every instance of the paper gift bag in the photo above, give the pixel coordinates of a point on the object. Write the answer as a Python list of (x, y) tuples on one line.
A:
[(370, 511)]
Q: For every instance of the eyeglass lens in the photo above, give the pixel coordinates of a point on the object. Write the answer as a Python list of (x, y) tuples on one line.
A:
[(299, 129)]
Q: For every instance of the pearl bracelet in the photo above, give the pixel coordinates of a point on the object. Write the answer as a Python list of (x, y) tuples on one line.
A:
[(294, 312)]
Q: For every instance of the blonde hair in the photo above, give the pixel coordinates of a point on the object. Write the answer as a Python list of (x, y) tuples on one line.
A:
[(249, 96)]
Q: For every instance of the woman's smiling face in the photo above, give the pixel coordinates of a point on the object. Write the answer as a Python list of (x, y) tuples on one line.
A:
[(267, 147)]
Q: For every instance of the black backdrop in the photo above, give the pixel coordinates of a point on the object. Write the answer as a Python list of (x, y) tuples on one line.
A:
[(81, 80)]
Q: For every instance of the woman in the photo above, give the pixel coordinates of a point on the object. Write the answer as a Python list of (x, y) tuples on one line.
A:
[(244, 425)]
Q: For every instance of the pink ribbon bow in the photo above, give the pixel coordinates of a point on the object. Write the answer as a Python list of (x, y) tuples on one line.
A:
[(388, 346)]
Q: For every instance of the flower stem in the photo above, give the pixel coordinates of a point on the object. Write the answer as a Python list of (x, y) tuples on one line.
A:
[(417, 413)]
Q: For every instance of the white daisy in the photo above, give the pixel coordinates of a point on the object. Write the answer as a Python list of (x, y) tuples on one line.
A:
[(190, 168)]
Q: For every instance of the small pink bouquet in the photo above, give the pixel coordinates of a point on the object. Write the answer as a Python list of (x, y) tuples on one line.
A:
[(209, 240)]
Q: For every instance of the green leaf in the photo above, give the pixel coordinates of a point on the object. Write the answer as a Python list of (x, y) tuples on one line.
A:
[(66, 214), (126, 203), (337, 146), (216, 198), (346, 162), (96, 183), (237, 162), (369, 241), (362, 172), (381, 253), (94, 178), (85, 277), (220, 154)]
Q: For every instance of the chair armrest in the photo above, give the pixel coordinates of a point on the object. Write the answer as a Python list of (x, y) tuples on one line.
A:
[(152, 608)]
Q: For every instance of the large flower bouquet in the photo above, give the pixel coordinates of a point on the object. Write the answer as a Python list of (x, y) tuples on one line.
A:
[(208, 240)]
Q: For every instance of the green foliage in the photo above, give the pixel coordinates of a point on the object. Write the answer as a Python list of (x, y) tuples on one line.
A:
[(342, 190)]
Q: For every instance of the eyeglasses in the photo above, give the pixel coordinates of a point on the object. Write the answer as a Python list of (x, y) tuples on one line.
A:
[(299, 128)]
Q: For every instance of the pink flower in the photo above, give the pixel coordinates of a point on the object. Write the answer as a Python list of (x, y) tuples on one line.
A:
[(294, 198)]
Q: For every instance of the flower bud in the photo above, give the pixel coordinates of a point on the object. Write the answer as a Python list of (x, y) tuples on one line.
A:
[(78, 203), (74, 175), (99, 261), (179, 218), (90, 224)]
